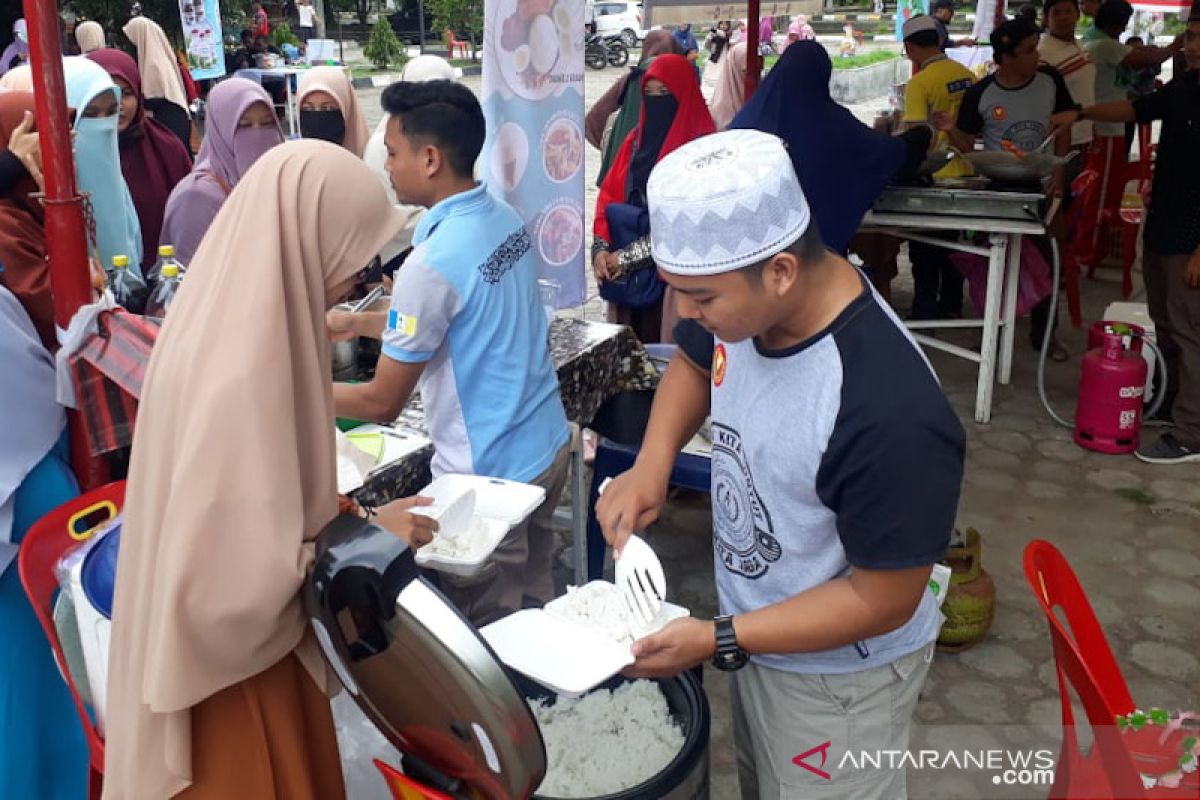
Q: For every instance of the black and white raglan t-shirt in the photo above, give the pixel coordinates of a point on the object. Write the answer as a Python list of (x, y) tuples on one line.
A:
[(1020, 115), (839, 452)]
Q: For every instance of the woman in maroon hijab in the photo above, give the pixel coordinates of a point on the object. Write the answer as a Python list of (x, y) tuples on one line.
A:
[(153, 159)]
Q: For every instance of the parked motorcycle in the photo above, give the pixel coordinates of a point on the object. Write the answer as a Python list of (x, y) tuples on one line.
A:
[(603, 50)]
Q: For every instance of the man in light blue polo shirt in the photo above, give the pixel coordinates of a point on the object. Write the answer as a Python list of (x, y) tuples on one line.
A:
[(466, 325)]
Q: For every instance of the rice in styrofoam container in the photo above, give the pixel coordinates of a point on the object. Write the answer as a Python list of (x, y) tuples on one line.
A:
[(465, 543), (606, 741), (600, 606)]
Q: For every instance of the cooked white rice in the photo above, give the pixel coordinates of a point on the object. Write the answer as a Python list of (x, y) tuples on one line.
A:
[(467, 543), (599, 605), (606, 741)]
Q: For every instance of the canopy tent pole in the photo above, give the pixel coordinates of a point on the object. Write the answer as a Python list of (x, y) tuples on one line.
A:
[(754, 61), (66, 237)]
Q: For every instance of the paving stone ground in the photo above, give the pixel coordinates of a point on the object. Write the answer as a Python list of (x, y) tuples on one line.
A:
[(1131, 531)]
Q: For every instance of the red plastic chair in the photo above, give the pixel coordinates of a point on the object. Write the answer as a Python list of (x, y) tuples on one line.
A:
[(1083, 660), (405, 788), (456, 47), (47, 541)]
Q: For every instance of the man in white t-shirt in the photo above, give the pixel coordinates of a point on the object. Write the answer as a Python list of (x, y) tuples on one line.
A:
[(1060, 49), (1115, 64), (308, 16)]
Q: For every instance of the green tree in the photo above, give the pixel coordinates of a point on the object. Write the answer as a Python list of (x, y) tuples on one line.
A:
[(383, 48), (281, 34), (460, 16)]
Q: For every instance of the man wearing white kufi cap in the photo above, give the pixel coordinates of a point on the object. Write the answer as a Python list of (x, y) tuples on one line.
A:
[(825, 527)]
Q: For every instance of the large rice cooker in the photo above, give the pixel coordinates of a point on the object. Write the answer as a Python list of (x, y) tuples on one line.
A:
[(429, 682)]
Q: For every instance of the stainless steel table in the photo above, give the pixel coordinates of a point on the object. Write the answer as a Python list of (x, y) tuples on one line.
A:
[(1005, 217)]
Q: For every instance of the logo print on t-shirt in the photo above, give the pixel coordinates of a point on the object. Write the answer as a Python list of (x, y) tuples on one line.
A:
[(720, 359), (1026, 134), (999, 113), (742, 533)]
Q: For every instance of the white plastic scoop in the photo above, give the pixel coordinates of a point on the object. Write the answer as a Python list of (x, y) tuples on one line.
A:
[(641, 580), (640, 577), (453, 518)]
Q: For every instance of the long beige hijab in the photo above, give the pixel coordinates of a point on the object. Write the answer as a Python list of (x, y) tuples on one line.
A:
[(233, 470), (156, 62), (730, 95), (90, 36), (17, 79), (333, 81)]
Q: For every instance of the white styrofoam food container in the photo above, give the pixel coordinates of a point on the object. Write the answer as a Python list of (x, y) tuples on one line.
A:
[(500, 504), (563, 654), (560, 655)]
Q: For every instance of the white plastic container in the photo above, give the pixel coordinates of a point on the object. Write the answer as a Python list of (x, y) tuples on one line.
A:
[(500, 505), (95, 633), (560, 655), (564, 654)]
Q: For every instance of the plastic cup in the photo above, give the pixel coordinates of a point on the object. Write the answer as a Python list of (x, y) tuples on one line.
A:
[(549, 290)]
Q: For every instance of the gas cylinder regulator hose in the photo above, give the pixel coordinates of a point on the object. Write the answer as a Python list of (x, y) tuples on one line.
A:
[(1048, 337)]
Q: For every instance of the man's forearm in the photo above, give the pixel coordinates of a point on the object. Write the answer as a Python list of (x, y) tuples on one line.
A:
[(1148, 56), (358, 401), (1116, 111), (370, 324), (681, 405), (963, 142), (834, 614)]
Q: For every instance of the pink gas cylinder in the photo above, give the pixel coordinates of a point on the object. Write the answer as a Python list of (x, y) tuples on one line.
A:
[(1108, 417)]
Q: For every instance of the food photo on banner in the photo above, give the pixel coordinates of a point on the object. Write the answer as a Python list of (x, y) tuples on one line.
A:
[(201, 23), (533, 157), (906, 10)]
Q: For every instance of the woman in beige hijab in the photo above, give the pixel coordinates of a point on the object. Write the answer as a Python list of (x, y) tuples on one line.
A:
[(215, 683), (329, 109), (731, 87), (90, 36), (162, 85), (17, 79)]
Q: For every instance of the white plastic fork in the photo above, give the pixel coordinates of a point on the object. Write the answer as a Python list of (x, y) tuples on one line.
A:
[(640, 577), (641, 580)]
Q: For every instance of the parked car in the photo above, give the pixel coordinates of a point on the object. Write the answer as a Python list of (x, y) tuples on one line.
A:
[(624, 18)]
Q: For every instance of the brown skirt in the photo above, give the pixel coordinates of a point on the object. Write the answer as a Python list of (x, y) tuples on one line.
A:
[(268, 737)]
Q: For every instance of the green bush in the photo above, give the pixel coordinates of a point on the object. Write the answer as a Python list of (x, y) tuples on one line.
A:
[(383, 48), (866, 60), (282, 34)]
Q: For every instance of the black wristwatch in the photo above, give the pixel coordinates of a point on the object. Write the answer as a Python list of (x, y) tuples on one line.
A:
[(729, 657), (1079, 112)]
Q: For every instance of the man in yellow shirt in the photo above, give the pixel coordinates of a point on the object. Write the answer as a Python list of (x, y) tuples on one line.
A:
[(936, 88)]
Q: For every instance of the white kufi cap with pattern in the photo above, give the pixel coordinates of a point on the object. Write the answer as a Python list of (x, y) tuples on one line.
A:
[(723, 202)]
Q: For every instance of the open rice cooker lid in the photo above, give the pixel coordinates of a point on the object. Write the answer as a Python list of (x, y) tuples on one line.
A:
[(417, 668)]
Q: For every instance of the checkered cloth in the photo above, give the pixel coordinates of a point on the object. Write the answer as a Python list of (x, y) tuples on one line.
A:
[(108, 371)]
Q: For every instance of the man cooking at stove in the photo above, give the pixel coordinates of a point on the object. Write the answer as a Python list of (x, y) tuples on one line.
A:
[(1011, 109)]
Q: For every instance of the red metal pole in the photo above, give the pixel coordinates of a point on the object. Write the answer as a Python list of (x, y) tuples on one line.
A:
[(754, 61), (66, 237)]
